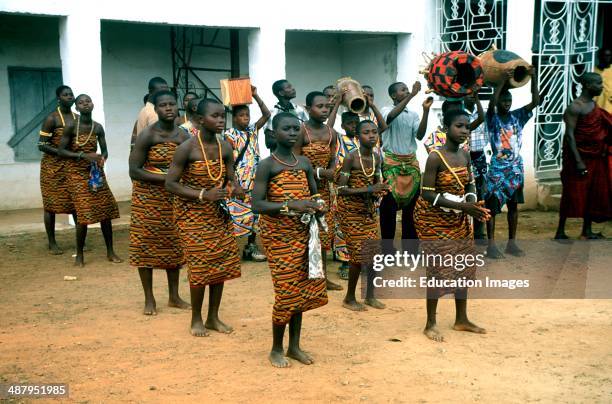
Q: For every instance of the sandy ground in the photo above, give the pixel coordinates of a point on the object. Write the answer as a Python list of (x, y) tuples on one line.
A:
[(90, 333)]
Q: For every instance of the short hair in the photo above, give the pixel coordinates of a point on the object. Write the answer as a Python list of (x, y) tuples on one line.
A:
[(60, 89), (238, 108), (393, 88), (155, 81), (448, 104), (203, 105), (329, 87), (277, 86), (192, 105), (450, 116), (160, 94), (362, 123), (78, 97), (349, 115), (367, 86), (588, 78), (145, 99), (505, 93), (282, 115), (190, 93), (312, 95)]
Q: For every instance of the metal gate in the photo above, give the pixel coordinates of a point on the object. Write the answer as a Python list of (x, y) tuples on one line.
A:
[(564, 48)]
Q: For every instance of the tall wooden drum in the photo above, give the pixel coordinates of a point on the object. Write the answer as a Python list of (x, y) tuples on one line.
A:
[(353, 98)]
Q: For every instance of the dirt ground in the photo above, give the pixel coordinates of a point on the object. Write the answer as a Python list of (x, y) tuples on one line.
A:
[(90, 333)]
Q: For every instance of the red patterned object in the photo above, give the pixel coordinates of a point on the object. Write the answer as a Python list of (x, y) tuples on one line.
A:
[(454, 74)]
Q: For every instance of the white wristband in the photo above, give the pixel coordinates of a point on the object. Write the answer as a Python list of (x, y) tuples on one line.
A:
[(436, 200), (470, 193), (318, 176)]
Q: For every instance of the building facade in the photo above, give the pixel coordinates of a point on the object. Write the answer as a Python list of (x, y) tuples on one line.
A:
[(110, 50)]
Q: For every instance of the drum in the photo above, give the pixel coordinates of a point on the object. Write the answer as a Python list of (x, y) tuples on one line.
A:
[(497, 62), (353, 99), (236, 91), (454, 74)]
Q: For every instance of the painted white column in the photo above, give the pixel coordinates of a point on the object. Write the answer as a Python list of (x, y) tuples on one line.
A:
[(266, 65), (519, 38), (81, 55)]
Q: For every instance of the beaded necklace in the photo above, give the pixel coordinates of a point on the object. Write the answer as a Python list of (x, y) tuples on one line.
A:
[(206, 158), (76, 138), (363, 168), (62, 116), (284, 162)]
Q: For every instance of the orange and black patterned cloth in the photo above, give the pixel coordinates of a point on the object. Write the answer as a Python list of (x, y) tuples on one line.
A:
[(91, 206), (285, 239), (154, 241), (358, 219), (54, 179), (432, 223), (320, 154), (205, 230)]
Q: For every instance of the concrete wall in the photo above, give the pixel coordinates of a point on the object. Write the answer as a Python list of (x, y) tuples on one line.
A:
[(26, 41)]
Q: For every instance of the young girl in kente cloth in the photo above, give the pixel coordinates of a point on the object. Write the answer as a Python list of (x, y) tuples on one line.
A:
[(285, 189), (318, 142), (448, 171), (53, 182), (93, 201), (201, 169), (360, 183), (154, 241)]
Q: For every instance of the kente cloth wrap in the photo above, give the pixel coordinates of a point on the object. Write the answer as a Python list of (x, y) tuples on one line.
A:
[(205, 230), (443, 74), (285, 240), (154, 241), (54, 178), (90, 206), (591, 194), (403, 175), (358, 220), (242, 214), (435, 225), (320, 154)]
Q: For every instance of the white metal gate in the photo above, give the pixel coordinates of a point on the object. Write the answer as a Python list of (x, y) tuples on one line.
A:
[(564, 49)]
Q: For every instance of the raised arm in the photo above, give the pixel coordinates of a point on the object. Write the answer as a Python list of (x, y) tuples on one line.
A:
[(138, 156), (382, 125), (265, 112), (480, 110), (535, 95), (420, 134), (570, 117), (331, 121), (416, 87), (494, 99), (46, 131)]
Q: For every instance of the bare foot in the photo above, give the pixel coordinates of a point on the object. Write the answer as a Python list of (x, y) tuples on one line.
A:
[(433, 333), (374, 303), (198, 329), (333, 286), (513, 249), (79, 261), (353, 305), (112, 257), (300, 356), (277, 359), (178, 303), (562, 238), (150, 308), (470, 327), (219, 326), (494, 253), (55, 250)]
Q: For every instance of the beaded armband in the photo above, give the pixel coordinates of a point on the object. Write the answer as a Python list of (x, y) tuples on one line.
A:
[(45, 134)]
